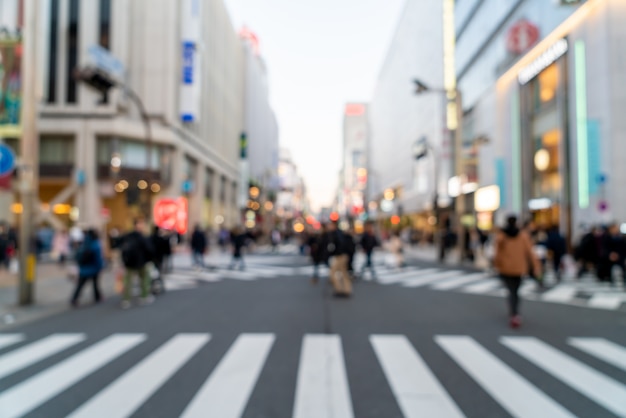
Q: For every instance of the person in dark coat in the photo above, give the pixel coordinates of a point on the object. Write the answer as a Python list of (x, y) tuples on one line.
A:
[(555, 243), (137, 252), (368, 243), (315, 252), (588, 251), (162, 249), (614, 254), (90, 262), (198, 246), (239, 240)]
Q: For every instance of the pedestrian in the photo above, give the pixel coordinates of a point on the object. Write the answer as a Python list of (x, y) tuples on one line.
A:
[(513, 254), (198, 247), (315, 252), (275, 239), (556, 245), (614, 254), (161, 247), (5, 245), (338, 251), (61, 246), (588, 252), (351, 249), (368, 243), (538, 240), (136, 252), (396, 250), (239, 240), (90, 262)]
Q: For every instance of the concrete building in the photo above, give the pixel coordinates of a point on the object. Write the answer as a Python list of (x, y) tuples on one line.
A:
[(261, 126), (185, 61), (544, 88), (353, 180), (291, 201), (398, 118)]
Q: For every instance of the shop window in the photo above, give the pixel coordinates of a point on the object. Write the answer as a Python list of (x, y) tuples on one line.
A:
[(547, 163), (56, 150), (546, 85)]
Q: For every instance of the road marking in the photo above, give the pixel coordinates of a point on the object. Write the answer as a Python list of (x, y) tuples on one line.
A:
[(398, 277), (322, 389), (562, 293), (603, 349), (416, 389), (483, 286), (424, 280), (602, 389), (606, 301), (42, 387), (518, 396), (10, 339), (227, 390), (527, 288), (37, 351), (122, 397), (451, 284)]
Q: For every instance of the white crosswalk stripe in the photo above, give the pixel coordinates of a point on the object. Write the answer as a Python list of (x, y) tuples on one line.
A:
[(126, 394), (7, 340), (322, 384), (602, 389), (416, 389), (322, 389), (37, 351), (226, 391), (33, 392)]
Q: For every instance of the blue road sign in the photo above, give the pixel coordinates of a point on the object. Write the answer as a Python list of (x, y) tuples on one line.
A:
[(601, 178), (7, 160)]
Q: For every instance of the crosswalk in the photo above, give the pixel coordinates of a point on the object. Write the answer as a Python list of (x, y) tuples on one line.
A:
[(584, 293), (325, 382)]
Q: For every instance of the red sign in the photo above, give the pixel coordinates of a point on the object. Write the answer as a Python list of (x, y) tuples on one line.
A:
[(171, 214), (521, 36)]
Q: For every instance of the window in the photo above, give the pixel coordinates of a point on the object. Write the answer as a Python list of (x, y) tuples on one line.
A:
[(56, 150), (545, 86), (52, 57), (105, 24), (208, 183), (72, 50)]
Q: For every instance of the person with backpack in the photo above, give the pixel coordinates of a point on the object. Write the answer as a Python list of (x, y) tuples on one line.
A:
[(162, 249), (136, 252), (338, 250), (90, 262), (513, 254), (198, 247)]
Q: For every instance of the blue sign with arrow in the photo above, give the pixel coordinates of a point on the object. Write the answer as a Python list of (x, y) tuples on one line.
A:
[(7, 160)]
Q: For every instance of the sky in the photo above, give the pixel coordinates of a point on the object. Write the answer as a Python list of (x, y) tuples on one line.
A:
[(320, 54)]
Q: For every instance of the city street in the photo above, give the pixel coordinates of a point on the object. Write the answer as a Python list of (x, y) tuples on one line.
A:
[(266, 342)]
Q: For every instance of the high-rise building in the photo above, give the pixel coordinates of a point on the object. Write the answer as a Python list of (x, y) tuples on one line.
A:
[(100, 162), (355, 160)]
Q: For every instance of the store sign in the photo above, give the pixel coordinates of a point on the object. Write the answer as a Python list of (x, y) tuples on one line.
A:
[(487, 199), (190, 89), (102, 59), (556, 51), (521, 36), (171, 214)]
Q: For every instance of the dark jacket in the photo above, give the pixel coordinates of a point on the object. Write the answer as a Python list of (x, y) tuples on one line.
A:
[(89, 258), (615, 244), (514, 253), (161, 246), (198, 241), (140, 248), (369, 242), (239, 241), (338, 243)]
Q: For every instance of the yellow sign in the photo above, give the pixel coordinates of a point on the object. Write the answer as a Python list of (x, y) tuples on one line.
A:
[(31, 263)]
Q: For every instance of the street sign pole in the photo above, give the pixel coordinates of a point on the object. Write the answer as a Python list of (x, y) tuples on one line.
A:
[(29, 169)]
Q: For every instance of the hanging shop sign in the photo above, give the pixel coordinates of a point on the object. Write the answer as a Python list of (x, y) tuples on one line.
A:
[(521, 36), (543, 61), (171, 214)]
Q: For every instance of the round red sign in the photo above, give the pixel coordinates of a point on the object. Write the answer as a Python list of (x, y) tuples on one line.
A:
[(521, 36)]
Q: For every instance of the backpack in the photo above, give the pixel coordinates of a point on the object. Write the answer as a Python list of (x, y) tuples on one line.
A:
[(87, 257), (132, 256)]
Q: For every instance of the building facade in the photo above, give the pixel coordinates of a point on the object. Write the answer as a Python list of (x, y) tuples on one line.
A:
[(353, 183), (399, 118), (103, 162), (544, 85)]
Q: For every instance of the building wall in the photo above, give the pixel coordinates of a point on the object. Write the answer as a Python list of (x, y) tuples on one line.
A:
[(355, 149), (146, 37), (398, 117)]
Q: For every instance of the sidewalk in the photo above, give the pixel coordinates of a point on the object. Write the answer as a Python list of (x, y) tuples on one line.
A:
[(52, 291)]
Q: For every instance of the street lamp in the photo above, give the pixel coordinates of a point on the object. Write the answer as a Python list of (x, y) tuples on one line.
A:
[(102, 82), (421, 148), (453, 123)]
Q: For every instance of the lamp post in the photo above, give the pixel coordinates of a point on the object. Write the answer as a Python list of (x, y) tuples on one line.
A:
[(103, 82), (453, 122)]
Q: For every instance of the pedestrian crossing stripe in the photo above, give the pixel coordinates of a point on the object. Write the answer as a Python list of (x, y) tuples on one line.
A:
[(322, 387)]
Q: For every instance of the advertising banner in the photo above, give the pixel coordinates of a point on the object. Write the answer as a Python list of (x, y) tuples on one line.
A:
[(190, 36), (10, 88)]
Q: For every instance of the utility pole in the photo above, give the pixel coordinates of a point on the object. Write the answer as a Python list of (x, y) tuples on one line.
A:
[(29, 145)]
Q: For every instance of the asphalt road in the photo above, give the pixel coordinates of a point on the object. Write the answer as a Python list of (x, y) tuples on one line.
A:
[(281, 347)]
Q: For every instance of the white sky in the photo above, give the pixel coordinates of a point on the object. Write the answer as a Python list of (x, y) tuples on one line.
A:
[(320, 54)]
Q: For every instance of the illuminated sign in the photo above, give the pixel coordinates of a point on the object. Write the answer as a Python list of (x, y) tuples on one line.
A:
[(355, 109), (171, 214), (487, 199), (556, 51)]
